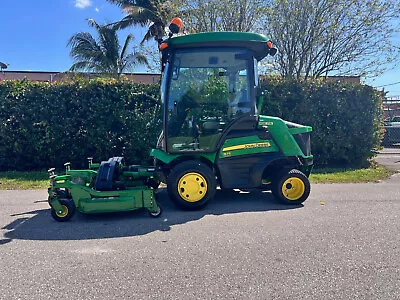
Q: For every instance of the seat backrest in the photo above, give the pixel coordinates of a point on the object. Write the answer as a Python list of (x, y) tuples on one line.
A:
[(105, 175)]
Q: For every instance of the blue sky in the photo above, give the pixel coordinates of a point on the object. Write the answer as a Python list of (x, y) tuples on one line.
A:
[(34, 34)]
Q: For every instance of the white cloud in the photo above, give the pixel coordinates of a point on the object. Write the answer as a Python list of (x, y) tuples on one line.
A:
[(97, 9), (83, 3)]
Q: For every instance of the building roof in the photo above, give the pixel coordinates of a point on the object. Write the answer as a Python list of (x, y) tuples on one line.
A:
[(49, 76)]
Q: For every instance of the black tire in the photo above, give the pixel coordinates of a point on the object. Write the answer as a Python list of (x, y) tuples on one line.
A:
[(69, 207), (202, 185), (156, 214), (291, 187)]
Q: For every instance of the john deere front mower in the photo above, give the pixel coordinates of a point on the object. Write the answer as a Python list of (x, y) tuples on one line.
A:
[(213, 136)]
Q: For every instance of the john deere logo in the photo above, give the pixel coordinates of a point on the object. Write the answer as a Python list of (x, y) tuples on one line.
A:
[(247, 146), (265, 123), (257, 145)]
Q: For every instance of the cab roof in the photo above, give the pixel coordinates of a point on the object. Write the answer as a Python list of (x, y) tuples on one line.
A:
[(255, 42)]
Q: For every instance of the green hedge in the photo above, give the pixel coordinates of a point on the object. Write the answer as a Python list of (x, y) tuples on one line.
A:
[(44, 125), (346, 117)]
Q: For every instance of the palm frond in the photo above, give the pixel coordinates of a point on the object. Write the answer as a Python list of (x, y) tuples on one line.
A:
[(156, 30), (102, 55), (126, 45), (84, 66), (94, 24), (127, 5), (84, 46), (108, 40), (152, 13), (132, 60), (145, 4), (141, 59), (142, 17), (146, 37)]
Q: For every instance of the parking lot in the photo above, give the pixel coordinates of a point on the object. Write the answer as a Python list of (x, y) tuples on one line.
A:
[(342, 244)]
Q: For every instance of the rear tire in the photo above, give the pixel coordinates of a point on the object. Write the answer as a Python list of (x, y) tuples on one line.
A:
[(191, 184), (291, 187)]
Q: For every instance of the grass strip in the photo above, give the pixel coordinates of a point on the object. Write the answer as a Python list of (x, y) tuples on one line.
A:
[(14, 180), (372, 174)]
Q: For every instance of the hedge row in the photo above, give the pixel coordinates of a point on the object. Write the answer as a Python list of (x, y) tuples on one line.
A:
[(346, 117), (44, 125)]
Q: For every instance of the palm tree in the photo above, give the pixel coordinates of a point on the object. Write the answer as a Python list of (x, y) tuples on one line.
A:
[(104, 55), (153, 13)]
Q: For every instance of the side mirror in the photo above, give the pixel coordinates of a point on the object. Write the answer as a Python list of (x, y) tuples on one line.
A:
[(273, 51)]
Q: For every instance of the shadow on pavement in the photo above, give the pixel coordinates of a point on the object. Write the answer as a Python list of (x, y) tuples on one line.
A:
[(41, 226)]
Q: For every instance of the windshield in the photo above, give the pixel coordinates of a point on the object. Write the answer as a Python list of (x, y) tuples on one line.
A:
[(208, 89)]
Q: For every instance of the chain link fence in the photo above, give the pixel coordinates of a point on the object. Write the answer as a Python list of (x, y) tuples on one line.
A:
[(392, 123)]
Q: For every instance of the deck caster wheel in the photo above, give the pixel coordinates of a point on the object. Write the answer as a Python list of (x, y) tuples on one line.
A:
[(291, 187), (69, 208), (156, 214)]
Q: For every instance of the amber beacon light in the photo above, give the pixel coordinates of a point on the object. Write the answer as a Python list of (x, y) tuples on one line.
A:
[(175, 26), (272, 49)]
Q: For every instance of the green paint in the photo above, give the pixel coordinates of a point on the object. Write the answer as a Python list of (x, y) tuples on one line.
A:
[(89, 200), (300, 130), (247, 145), (92, 201), (163, 156), (283, 135), (207, 37)]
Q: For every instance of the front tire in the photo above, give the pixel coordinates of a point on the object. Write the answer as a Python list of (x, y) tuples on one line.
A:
[(191, 185), (291, 187), (156, 214), (69, 210)]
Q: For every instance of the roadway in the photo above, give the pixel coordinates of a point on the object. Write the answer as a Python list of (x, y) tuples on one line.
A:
[(343, 243)]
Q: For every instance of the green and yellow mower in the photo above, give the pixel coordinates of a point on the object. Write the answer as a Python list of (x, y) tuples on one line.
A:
[(213, 135)]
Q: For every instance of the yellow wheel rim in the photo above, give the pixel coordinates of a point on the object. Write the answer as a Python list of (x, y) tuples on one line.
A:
[(192, 187), (64, 213), (293, 188)]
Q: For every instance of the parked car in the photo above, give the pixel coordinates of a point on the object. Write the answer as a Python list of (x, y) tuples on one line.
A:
[(392, 131)]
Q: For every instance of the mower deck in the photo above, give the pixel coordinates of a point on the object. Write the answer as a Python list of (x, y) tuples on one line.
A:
[(112, 188)]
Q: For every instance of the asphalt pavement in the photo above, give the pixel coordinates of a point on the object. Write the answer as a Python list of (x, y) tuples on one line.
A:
[(389, 157), (343, 243)]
